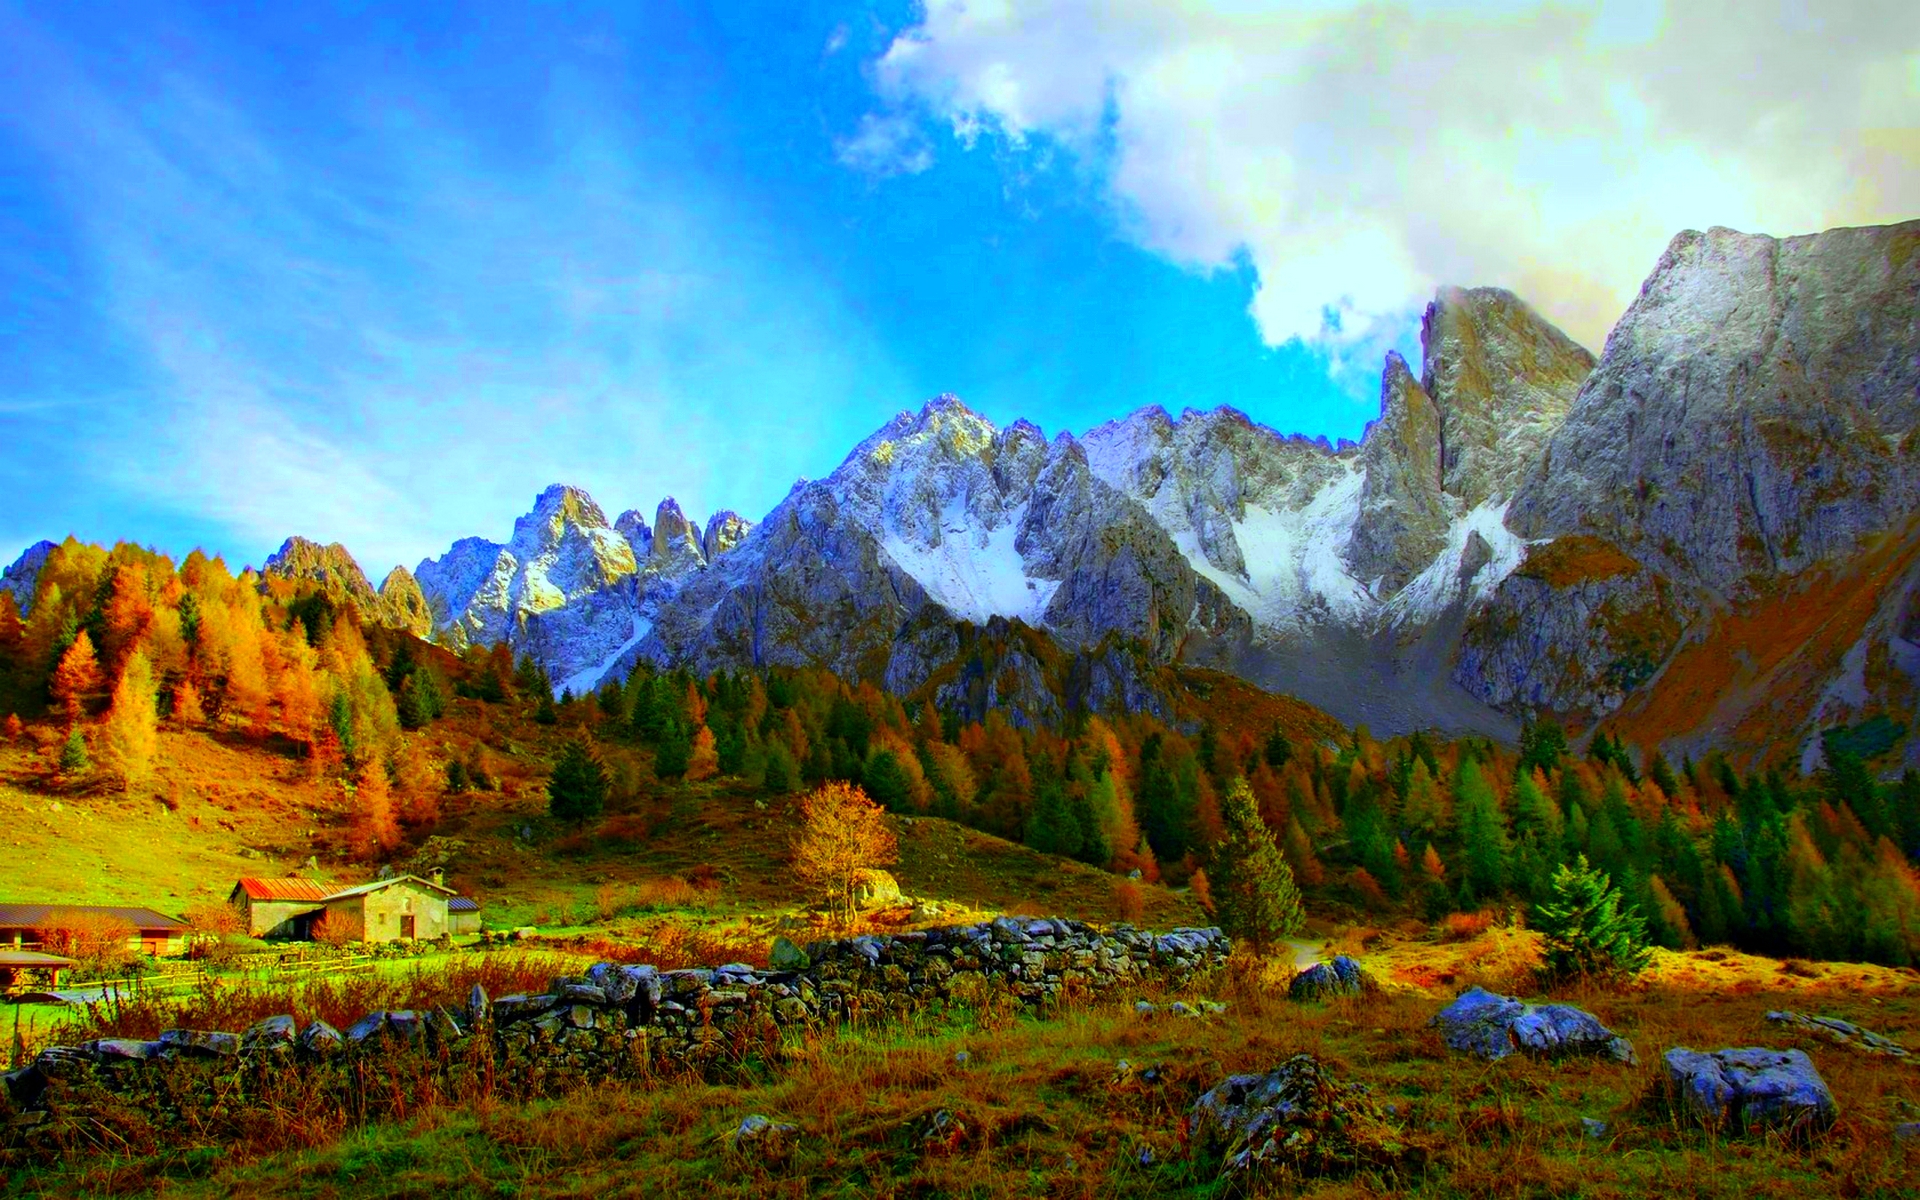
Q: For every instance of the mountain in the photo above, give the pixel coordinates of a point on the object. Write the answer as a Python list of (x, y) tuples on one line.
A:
[(1705, 537)]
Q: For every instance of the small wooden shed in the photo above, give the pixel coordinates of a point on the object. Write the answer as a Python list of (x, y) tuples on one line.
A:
[(28, 970), (463, 915)]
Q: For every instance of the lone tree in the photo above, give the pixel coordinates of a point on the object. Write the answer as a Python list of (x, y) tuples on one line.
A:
[(842, 833), (1253, 890), (1588, 932), (577, 789)]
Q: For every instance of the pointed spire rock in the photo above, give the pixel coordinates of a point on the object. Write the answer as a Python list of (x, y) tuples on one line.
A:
[(1403, 516)]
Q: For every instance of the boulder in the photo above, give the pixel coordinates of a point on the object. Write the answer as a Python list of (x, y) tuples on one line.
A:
[(479, 1007), (1840, 1033), (874, 888), (202, 1043), (1492, 1026), (320, 1037), (760, 1136), (274, 1033), (1296, 1119), (1749, 1089), (112, 1050), (1322, 981), (785, 956)]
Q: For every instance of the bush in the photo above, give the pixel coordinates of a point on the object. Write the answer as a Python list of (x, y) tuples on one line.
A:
[(92, 939), (1587, 931)]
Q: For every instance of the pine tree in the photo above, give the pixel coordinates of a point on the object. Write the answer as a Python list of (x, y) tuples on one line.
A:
[(1587, 932), (577, 789), (73, 755), (674, 753), (130, 736), (1483, 835), (1253, 889), (886, 781)]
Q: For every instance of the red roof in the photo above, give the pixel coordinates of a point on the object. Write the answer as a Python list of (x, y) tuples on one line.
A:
[(290, 888)]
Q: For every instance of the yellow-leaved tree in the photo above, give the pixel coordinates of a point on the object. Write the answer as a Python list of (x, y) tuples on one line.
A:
[(842, 833), (77, 677), (131, 736)]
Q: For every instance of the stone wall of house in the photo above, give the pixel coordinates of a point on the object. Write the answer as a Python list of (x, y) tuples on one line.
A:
[(622, 1020)]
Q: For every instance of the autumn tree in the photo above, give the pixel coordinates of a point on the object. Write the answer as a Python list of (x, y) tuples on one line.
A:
[(372, 829), (1254, 894), (76, 677), (131, 735), (842, 833)]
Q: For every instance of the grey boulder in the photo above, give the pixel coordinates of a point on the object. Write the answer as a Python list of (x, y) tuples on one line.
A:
[(1493, 1026), (1751, 1088)]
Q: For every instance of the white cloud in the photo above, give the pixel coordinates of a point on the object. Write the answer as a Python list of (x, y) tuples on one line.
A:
[(1359, 155), (886, 144)]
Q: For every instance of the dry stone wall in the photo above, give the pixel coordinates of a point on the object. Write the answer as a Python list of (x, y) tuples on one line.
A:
[(623, 1020)]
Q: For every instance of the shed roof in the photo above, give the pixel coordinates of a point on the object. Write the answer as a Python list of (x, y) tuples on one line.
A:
[(26, 916), (378, 884), (292, 887), (463, 904), (30, 958)]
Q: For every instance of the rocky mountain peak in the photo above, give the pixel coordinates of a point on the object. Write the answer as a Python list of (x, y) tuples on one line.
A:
[(677, 544), (632, 525), (1503, 378), (403, 605), (330, 566), (1403, 519), (725, 530), (23, 576)]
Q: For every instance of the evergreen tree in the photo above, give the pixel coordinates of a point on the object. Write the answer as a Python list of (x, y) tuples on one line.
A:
[(886, 782), (1587, 931), (544, 713), (73, 755), (1542, 745), (577, 789), (1253, 888), (1277, 750), (674, 752), (1483, 835), (1051, 827)]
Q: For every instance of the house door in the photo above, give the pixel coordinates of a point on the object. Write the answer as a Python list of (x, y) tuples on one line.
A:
[(406, 926)]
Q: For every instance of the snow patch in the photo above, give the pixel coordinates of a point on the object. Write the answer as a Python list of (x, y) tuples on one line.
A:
[(1429, 593), (1295, 558), (587, 679), (974, 574)]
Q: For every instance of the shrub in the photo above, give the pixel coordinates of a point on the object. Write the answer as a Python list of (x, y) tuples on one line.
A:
[(1465, 926), (336, 930), (93, 939), (1130, 901), (1587, 931)]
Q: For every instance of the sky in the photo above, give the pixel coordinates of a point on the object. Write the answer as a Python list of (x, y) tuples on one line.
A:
[(379, 273)]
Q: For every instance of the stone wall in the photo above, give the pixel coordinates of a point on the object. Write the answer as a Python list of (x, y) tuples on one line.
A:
[(622, 1020)]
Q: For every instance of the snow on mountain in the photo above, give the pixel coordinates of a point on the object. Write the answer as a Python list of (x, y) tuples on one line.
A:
[(975, 573)]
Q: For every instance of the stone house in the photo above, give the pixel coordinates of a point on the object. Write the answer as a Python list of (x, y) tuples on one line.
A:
[(404, 907)]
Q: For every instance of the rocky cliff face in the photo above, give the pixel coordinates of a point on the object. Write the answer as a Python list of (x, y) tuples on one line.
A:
[(22, 576), (403, 605), (1748, 435), (331, 566)]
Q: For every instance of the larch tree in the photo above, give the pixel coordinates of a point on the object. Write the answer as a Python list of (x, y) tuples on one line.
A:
[(131, 736), (372, 829), (842, 833), (1254, 894), (76, 677)]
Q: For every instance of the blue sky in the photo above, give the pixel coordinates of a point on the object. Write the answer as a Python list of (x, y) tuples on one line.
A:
[(381, 277), (377, 273)]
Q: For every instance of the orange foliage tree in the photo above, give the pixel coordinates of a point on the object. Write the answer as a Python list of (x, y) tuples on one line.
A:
[(131, 736), (95, 939), (842, 833), (371, 828), (77, 676)]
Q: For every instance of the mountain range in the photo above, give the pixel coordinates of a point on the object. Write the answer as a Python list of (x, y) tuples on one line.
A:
[(1707, 536)]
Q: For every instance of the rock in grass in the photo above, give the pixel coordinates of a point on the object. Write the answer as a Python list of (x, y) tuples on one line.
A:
[(1322, 981), (785, 956), (274, 1033), (757, 1134), (1492, 1026), (319, 1038), (1840, 1033), (1296, 1119), (1750, 1089), (204, 1043), (111, 1050)]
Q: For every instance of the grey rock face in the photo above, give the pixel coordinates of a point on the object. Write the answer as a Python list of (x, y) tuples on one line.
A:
[(23, 576), (331, 566), (1840, 1033), (1750, 1089), (1755, 412), (1492, 1026), (725, 530), (1403, 515), (1503, 379), (677, 544)]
